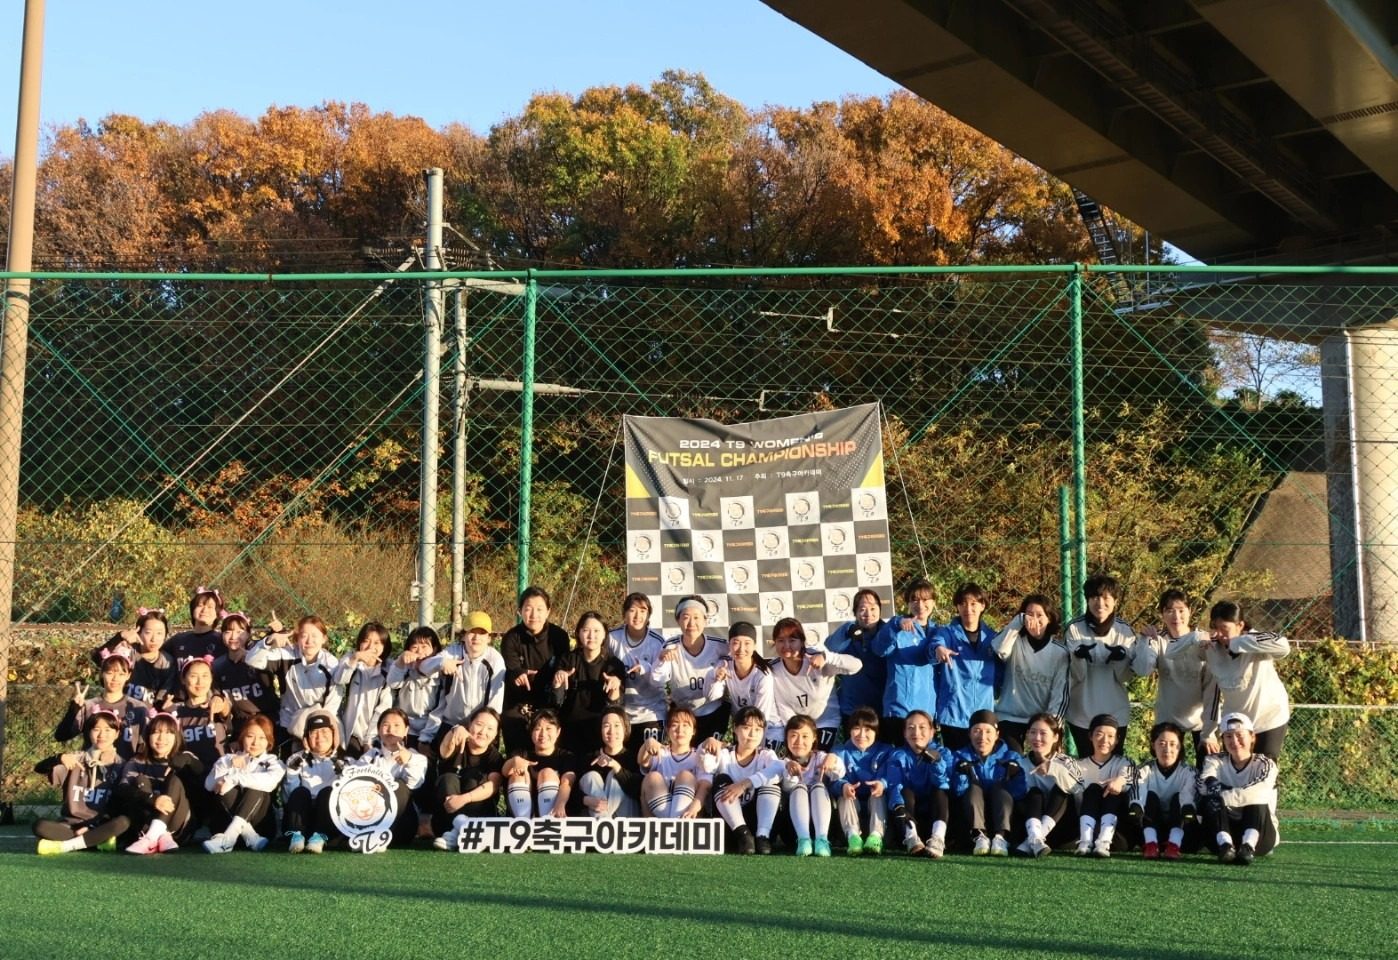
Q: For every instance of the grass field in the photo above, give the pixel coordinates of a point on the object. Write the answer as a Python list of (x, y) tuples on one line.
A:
[(1312, 900)]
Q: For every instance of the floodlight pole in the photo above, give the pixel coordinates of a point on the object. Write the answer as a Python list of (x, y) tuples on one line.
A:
[(434, 309), (14, 343)]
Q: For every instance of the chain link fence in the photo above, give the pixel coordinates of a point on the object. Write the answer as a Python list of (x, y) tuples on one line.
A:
[(1226, 432)]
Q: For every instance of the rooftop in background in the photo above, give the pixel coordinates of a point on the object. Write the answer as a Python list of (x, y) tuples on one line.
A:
[(1239, 130)]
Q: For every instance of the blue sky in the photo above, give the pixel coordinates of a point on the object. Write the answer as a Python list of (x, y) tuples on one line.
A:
[(473, 63)]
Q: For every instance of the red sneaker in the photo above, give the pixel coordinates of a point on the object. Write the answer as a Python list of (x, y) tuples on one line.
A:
[(1172, 851), (1151, 851)]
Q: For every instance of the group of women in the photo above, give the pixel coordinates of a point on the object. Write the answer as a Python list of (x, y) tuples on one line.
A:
[(952, 736)]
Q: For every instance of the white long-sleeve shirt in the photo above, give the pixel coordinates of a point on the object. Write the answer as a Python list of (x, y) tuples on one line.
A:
[(303, 684), (478, 683), (366, 696), (1179, 695), (1254, 783), (1035, 681), (1180, 782), (1242, 678), (643, 698), (411, 774), (1099, 682), (263, 773)]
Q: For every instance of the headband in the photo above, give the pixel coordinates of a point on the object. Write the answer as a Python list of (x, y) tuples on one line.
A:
[(688, 602)]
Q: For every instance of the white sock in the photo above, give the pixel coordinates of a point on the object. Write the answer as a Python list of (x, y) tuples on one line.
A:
[(680, 798), (1106, 832), (1177, 835), (769, 801), (1150, 835), (547, 794), (820, 811), (248, 833), (658, 804), (1034, 829), (518, 800), (798, 805), (1109, 820), (939, 830), (1087, 826), (1251, 836), (237, 827), (73, 844), (1223, 839), (157, 828), (731, 811), (1049, 823)]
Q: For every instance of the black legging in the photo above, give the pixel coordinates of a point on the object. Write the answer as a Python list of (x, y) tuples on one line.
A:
[(1036, 804), (1235, 821), (305, 814), (1269, 742), (987, 810), (451, 784), (95, 833), (134, 799), (1160, 815), (252, 805), (1097, 804), (919, 810)]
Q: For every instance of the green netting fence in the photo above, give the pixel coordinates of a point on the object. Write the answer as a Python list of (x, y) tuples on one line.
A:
[(1224, 430)]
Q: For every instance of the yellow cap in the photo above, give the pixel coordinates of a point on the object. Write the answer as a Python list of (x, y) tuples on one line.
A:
[(478, 620)]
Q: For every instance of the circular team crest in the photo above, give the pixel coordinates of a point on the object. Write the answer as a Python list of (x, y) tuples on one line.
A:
[(868, 503), (642, 545), (363, 807)]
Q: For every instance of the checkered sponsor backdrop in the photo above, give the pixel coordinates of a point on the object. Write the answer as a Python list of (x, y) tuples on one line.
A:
[(779, 518)]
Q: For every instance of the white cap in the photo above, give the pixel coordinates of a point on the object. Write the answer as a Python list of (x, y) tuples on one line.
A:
[(1236, 721)]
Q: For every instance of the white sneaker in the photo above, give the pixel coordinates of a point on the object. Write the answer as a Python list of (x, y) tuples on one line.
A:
[(936, 847), (448, 841), (1102, 848), (982, 846), (220, 843), (1084, 848), (256, 842), (998, 847), (295, 841), (1039, 847)]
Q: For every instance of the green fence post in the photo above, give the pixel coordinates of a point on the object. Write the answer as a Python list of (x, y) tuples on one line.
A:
[(1079, 442), (526, 427), (1067, 583)]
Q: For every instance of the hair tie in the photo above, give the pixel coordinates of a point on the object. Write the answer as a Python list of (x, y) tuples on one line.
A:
[(154, 611), (186, 662)]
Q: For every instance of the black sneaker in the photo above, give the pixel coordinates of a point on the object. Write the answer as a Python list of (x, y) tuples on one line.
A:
[(763, 845), (1246, 854), (746, 844), (1226, 853)]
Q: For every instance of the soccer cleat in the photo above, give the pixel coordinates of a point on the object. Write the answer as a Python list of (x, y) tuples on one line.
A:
[(804, 848), (822, 847), (316, 843), (1083, 848), (1172, 851), (1151, 851), (1041, 847), (220, 843), (998, 847), (1246, 854), (747, 843), (145, 844), (295, 842), (982, 846), (1102, 849), (764, 846), (49, 848), (854, 845), (446, 841), (256, 842), (1226, 853), (936, 847), (1026, 847), (874, 845), (108, 844), (166, 844)]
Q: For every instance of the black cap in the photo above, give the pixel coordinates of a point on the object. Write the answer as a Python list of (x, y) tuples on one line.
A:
[(319, 721), (985, 716)]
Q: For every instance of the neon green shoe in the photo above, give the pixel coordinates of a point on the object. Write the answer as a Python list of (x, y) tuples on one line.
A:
[(854, 845), (108, 845), (49, 848), (874, 845)]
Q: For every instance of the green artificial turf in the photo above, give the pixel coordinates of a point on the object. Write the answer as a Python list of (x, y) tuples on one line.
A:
[(1313, 900)]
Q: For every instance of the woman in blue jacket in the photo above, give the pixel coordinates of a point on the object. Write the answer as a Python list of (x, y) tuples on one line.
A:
[(987, 778)]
